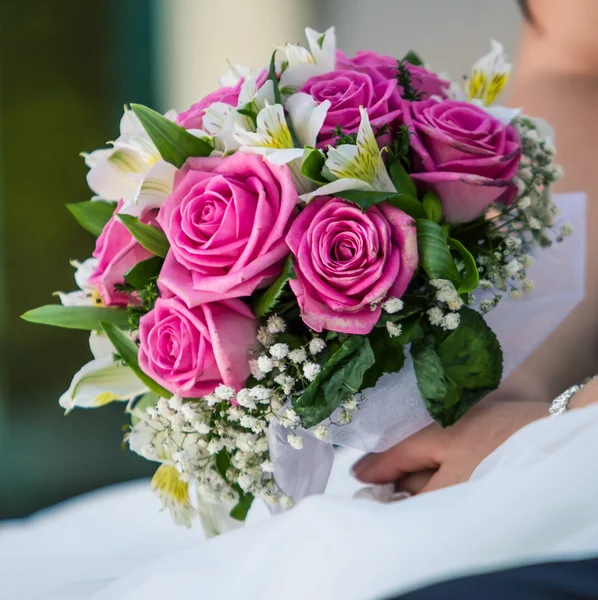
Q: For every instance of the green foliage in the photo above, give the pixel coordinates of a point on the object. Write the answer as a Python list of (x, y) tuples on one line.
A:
[(401, 180), (240, 510), (88, 318), (472, 276), (151, 238), (265, 302), (342, 138), (312, 165), (274, 79), (127, 350), (339, 378), (389, 356), (434, 254), (404, 79), (408, 204), (145, 298), (92, 215), (175, 144), (432, 206), (364, 199), (143, 273), (413, 58), (455, 369), (399, 148)]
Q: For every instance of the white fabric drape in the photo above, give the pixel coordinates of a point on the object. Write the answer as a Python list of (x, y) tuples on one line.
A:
[(532, 500)]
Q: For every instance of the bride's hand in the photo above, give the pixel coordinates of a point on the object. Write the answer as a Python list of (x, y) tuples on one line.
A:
[(435, 458)]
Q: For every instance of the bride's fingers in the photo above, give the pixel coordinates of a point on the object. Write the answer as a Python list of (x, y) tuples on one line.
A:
[(445, 477), (419, 452), (414, 482)]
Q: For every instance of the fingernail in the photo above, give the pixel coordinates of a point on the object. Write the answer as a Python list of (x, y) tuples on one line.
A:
[(361, 466)]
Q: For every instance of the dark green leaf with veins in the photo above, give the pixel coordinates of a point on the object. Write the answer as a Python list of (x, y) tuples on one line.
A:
[(456, 369)]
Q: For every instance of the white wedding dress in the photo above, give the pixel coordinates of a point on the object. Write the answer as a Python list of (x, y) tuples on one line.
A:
[(532, 500)]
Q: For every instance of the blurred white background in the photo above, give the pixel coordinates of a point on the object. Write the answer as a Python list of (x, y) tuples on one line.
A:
[(197, 36)]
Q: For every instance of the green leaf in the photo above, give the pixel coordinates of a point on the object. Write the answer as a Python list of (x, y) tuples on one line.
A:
[(412, 58), (408, 204), (434, 254), (151, 238), (456, 369), (128, 351), (324, 395), (432, 206), (401, 179), (389, 356), (472, 276), (365, 199), (265, 302), (175, 144), (88, 318), (274, 79), (92, 215), (141, 404), (249, 112), (144, 272), (222, 463), (312, 164), (239, 512)]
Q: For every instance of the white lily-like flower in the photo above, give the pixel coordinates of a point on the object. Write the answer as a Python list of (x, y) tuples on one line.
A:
[(234, 74), (101, 381), (132, 170), (222, 120), (174, 494), (273, 139), (301, 64), (87, 294), (489, 75), (150, 439), (355, 167)]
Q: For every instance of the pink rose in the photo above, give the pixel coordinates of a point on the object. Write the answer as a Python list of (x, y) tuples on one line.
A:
[(192, 351), (226, 221), (347, 261), (423, 81), (117, 251), (192, 118), (466, 156), (349, 89)]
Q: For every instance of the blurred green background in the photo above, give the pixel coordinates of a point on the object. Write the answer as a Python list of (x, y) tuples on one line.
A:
[(67, 67)]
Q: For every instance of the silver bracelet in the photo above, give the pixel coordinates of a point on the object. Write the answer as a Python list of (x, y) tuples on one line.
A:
[(561, 403)]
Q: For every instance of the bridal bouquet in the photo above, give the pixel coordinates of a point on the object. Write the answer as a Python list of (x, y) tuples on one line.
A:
[(266, 257)]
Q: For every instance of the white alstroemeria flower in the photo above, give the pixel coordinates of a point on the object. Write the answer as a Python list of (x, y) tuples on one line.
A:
[(234, 74), (87, 294), (489, 75), (101, 380), (302, 64), (273, 139), (221, 120), (132, 170), (355, 167), (174, 494), (150, 439)]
